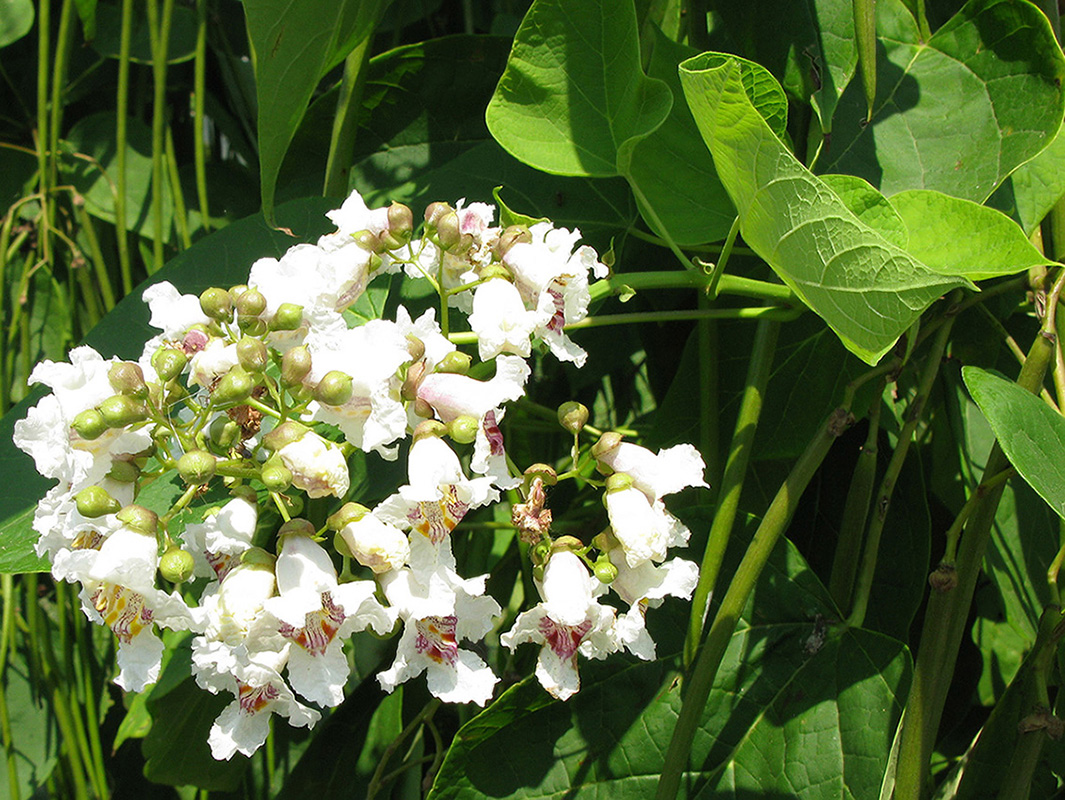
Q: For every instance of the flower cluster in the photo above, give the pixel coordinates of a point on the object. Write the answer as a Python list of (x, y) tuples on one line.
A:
[(265, 391)]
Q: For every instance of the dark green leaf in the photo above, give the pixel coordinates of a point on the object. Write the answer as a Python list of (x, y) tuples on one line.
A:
[(108, 20), (36, 737), (16, 19)]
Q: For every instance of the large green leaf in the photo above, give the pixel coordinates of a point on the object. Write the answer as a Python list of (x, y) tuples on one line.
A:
[(223, 258), (1031, 434), (36, 737), (573, 91), (1031, 191), (868, 290), (819, 701), (956, 114), (181, 46), (16, 19), (294, 45)]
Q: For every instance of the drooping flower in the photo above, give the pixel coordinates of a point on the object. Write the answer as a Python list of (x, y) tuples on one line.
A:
[(646, 586), (501, 321), (317, 466), (217, 543)]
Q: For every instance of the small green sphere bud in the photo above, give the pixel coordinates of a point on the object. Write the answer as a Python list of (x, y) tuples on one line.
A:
[(251, 303), (455, 362), (286, 433), (429, 428), (275, 476), (604, 570), (94, 501), (368, 241), (448, 228), (119, 411), (341, 546), (295, 365), (89, 424), (540, 552), (235, 386), (127, 378), (434, 211), (123, 472), (197, 467), (545, 472), (400, 221), (257, 558), (139, 518), (463, 429), (416, 347), (345, 515), (224, 432), (618, 482), (288, 317), (573, 416), (169, 362), (334, 389), (251, 353), (252, 326), (217, 304), (237, 291), (571, 543), (422, 408), (296, 527), (176, 565), (607, 442)]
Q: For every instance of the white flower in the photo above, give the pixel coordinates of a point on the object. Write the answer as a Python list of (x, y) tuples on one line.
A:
[(501, 321), (439, 611), (172, 312), (568, 621), (376, 544), (316, 614), (637, 514), (217, 543), (646, 586), (351, 218), (317, 466), (212, 362)]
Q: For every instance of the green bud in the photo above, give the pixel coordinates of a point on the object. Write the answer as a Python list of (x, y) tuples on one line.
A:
[(234, 387), (416, 347), (607, 442), (296, 527), (224, 432), (123, 471), (573, 416), (251, 304), (237, 291), (275, 475), (345, 515), (295, 365), (288, 317), (197, 467), (89, 424), (286, 433), (463, 429), (545, 472), (434, 211), (251, 353), (140, 519), (217, 304), (126, 377), (176, 565), (510, 237), (94, 501), (540, 552), (605, 571), (368, 240), (618, 482), (257, 558), (449, 231), (571, 543), (252, 326), (400, 221), (334, 389), (455, 362), (429, 428), (169, 362), (119, 411), (605, 540)]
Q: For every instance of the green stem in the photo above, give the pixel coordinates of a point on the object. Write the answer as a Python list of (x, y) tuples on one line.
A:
[(159, 31), (945, 618), (346, 121), (758, 370), (856, 512), (722, 261), (181, 217), (887, 484), (122, 116), (43, 49), (199, 90), (6, 630), (693, 279), (754, 560), (377, 780)]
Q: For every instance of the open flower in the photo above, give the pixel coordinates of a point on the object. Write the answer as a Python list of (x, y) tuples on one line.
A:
[(217, 543), (646, 586), (501, 321), (317, 466), (568, 621)]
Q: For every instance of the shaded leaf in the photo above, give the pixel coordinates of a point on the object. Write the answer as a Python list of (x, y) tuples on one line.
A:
[(16, 19), (573, 91), (868, 290), (108, 19), (1033, 188), (956, 114), (35, 743)]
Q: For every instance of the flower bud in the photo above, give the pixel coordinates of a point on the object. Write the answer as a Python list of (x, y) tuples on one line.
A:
[(607, 442), (176, 565), (449, 231), (429, 428), (434, 211), (197, 467), (224, 432), (422, 408), (943, 578), (296, 527), (217, 304), (288, 317), (416, 347), (94, 501), (286, 433), (605, 541), (571, 543), (258, 558), (123, 471), (140, 519), (119, 411), (295, 365), (415, 373), (540, 552), (234, 387), (251, 353), (368, 241), (605, 571), (252, 326), (169, 362), (237, 291), (400, 221), (334, 389), (545, 472), (251, 304), (455, 362), (89, 424), (510, 237), (127, 378), (618, 482), (345, 515), (463, 429), (573, 416), (275, 475)]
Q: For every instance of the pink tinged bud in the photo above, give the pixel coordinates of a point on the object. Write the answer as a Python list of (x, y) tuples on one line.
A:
[(295, 365), (194, 341), (127, 378), (119, 411)]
